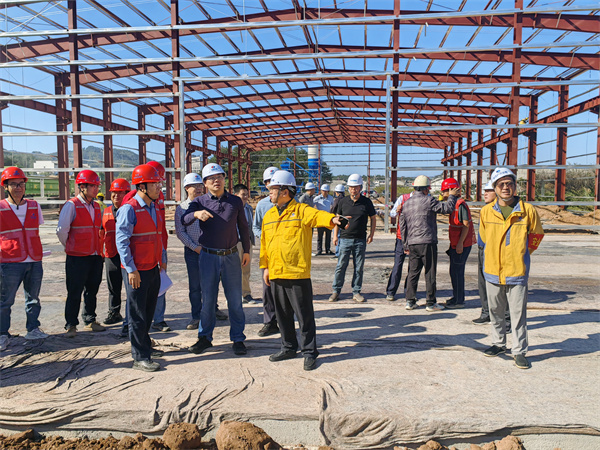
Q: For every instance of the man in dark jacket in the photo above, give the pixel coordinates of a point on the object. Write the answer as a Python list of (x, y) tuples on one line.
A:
[(418, 228)]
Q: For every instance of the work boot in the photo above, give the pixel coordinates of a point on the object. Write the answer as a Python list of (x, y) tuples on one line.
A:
[(239, 348), (269, 329), (201, 345), (71, 332), (358, 297), (390, 298), (334, 297), (94, 326), (193, 325), (147, 365), (521, 362), (113, 318), (310, 362), (161, 326)]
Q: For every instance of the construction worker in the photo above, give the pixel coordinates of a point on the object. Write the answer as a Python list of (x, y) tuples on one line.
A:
[(20, 254), (112, 261), (509, 232), (78, 231), (418, 228), (489, 195), (223, 223), (241, 190), (270, 326), (339, 192), (309, 193), (462, 238), (159, 314), (139, 242), (323, 202), (285, 256), (399, 255), (188, 235), (353, 240), (100, 201)]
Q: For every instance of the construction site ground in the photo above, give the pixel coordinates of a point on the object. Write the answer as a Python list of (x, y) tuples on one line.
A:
[(386, 376)]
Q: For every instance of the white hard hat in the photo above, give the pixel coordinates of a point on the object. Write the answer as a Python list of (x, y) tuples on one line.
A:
[(268, 173), (211, 169), (192, 178), (488, 186), (339, 188), (325, 187), (422, 181), (309, 186), (355, 180), (501, 172), (283, 178)]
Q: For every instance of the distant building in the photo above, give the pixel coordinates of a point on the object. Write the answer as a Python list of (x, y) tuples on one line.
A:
[(45, 165)]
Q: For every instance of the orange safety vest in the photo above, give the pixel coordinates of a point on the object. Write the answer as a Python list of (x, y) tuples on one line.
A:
[(146, 241), (108, 233), (17, 240), (404, 198), (160, 206), (456, 227), (84, 235)]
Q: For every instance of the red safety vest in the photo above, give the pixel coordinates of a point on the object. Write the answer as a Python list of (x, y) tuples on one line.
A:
[(160, 206), (456, 227), (17, 240), (108, 233), (146, 241), (84, 235), (404, 198)]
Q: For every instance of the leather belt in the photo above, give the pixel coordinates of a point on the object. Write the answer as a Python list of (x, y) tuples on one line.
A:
[(214, 251)]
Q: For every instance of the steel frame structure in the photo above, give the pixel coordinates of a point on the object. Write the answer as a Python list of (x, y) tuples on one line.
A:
[(195, 77)]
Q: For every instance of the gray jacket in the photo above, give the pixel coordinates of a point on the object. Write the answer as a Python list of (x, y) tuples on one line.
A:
[(418, 218)]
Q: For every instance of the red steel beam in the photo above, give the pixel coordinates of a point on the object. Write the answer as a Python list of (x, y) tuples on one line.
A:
[(560, 178), (74, 85), (108, 145), (512, 148), (62, 120), (531, 150)]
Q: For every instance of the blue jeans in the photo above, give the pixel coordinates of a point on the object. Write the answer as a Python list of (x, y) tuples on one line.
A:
[(356, 248), (193, 269), (11, 277), (457, 274), (227, 269)]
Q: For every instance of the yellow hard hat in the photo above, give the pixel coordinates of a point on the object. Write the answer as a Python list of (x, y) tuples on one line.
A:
[(100, 194)]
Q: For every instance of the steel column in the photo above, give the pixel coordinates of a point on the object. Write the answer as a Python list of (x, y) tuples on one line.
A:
[(560, 179), (62, 145), (205, 153), (479, 184), (458, 146), (169, 158), (179, 143), (74, 85), (141, 123), (230, 165), (108, 144), (532, 150), (239, 165), (515, 102), (395, 80), (468, 163)]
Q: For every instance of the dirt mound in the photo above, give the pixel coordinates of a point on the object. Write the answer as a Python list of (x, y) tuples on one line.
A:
[(243, 436), (556, 215)]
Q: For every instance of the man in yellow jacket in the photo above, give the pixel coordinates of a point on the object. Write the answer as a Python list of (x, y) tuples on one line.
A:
[(509, 232), (285, 256)]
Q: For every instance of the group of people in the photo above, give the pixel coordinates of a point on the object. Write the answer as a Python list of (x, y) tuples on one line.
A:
[(218, 230)]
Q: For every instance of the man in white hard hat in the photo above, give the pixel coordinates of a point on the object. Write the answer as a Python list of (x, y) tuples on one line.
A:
[(309, 193), (270, 321), (285, 248), (353, 240), (418, 228), (509, 232), (323, 202), (221, 216), (489, 195), (189, 235)]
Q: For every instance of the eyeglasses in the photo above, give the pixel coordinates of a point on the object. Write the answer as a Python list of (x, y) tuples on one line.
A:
[(507, 184), (17, 185)]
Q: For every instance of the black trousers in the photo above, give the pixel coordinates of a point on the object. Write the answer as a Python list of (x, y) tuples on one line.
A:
[(84, 275), (320, 232), (268, 302), (396, 274), (141, 303), (295, 297), (114, 280), (422, 255)]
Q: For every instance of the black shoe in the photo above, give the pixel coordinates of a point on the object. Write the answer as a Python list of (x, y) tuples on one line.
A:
[(146, 365), (124, 332), (310, 362), (329, 252), (161, 326), (239, 348), (202, 344), (494, 350), (113, 318), (220, 315), (481, 320), (247, 299), (268, 329), (455, 305), (521, 362), (156, 353), (283, 355)]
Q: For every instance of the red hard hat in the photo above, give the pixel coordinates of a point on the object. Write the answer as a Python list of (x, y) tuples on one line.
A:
[(144, 173), (12, 173), (450, 183), (159, 168), (87, 176), (120, 185)]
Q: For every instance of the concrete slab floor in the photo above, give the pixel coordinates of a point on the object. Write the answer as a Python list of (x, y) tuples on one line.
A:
[(386, 376)]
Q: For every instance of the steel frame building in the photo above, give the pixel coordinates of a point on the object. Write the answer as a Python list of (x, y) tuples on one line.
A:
[(265, 76)]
